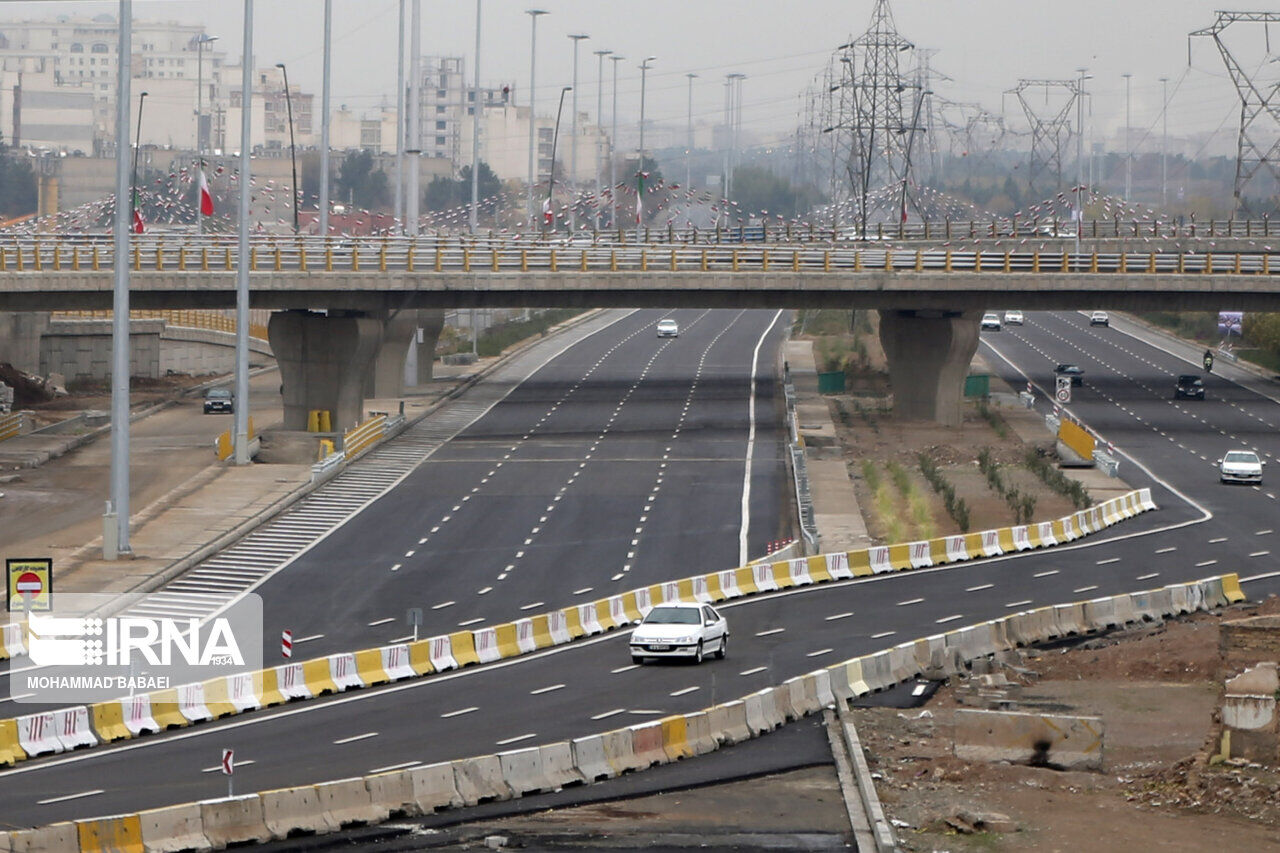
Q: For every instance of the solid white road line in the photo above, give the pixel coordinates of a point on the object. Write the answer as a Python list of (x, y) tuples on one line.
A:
[(743, 557), (355, 738)]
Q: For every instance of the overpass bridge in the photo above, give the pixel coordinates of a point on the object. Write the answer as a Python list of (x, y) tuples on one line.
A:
[(374, 292)]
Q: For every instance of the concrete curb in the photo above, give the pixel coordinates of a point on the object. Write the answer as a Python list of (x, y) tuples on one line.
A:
[(509, 775)]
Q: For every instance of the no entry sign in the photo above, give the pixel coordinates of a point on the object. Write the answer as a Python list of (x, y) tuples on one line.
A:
[(30, 583)]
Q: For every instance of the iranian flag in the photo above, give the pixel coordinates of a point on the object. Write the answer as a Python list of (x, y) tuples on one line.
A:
[(547, 216), (206, 197), (137, 215)]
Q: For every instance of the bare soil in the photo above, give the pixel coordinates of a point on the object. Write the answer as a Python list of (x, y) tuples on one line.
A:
[(1156, 689)]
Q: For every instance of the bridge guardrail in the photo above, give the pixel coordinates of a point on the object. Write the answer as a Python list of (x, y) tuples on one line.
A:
[(329, 806), (14, 424)]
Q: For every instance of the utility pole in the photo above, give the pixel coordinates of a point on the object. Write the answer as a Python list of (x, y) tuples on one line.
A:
[(688, 148), (600, 55), (1164, 144), (644, 73), (533, 121), (1079, 211), (324, 122), (415, 124), (474, 219), (1128, 146), (293, 154), (397, 213), (573, 133), (115, 521), (613, 144)]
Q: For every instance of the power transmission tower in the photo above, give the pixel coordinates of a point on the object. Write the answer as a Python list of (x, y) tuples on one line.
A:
[(1050, 131), (1258, 144)]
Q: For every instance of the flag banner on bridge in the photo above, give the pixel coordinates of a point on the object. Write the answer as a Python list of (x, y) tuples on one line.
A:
[(93, 647), (206, 197)]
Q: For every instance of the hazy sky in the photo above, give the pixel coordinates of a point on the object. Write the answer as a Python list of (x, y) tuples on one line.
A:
[(985, 46)]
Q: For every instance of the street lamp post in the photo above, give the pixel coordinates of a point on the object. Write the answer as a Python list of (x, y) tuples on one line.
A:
[(134, 197), (644, 73), (414, 150), (613, 144), (1164, 145), (292, 150), (600, 55), (323, 202), (200, 43), (688, 150), (573, 129), (555, 140), (533, 123), (1128, 147), (1079, 214), (398, 214), (474, 218)]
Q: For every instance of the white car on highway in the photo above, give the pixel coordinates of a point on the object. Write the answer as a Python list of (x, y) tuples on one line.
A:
[(668, 329), (680, 630), (1013, 318), (991, 321), (1241, 466)]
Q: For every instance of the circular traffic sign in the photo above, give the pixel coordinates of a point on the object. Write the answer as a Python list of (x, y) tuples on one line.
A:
[(1064, 395), (29, 583)]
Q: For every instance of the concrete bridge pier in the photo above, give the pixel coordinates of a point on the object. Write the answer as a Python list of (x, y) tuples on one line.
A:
[(386, 373), (432, 324), (324, 362), (929, 354)]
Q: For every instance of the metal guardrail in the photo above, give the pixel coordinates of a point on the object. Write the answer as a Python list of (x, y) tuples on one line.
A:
[(328, 466), (363, 435), (428, 255), (13, 425), (804, 497)]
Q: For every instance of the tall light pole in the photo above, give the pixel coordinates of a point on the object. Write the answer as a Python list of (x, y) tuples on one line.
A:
[(293, 154), (1164, 144), (644, 73), (613, 143), (1079, 213), (555, 140), (1128, 148), (415, 124), (201, 41), (240, 408), (688, 149), (474, 218), (533, 122), (324, 127), (600, 55), (115, 521), (573, 130), (735, 124), (135, 198), (398, 213)]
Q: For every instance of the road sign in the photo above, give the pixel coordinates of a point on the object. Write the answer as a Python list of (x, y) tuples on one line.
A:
[(30, 584), (228, 767), (286, 643), (1063, 389), (414, 617)]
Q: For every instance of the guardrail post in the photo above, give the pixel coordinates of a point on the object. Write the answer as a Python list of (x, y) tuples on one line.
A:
[(946, 260), (826, 261), (57, 261), (1208, 259), (644, 256), (494, 264), (279, 260), (795, 256), (75, 258), (1266, 265), (204, 258), (1151, 262), (888, 260), (253, 258), (1236, 270), (735, 260), (919, 261), (408, 258), (328, 257), (96, 262), (355, 258), (704, 260), (582, 265), (1035, 261), (159, 256), (1182, 262), (35, 257), (182, 259), (1065, 261), (673, 260), (553, 261), (1124, 262), (764, 260), (466, 259), (137, 257), (1008, 261), (977, 261), (382, 257)]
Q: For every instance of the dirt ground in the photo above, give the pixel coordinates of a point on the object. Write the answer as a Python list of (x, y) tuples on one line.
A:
[(96, 395), (1156, 690)]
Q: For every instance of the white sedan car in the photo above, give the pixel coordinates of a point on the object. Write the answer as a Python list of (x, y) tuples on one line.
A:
[(1241, 466), (991, 322), (668, 329), (1013, 318), (680, 630)]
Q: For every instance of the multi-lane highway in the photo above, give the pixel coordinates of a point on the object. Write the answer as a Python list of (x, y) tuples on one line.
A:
[(618, 399)]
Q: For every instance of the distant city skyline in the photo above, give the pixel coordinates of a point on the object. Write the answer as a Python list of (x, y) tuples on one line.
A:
[(983, 46)]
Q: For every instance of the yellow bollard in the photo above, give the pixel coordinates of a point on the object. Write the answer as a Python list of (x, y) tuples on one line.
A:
[(1124, 262), (1093, 262), (313, 420), (1208, 264), (355, 259), (673, 260), (613, 260), (947, 261), (439, 259), (326, 449), (182, 259), (495, 260), (764, 260), (226, 259), (4, 261), (253, 258), (75, 258), (704, 260), (302, 258), (524, 260), (137, 258), (795, 257), (279, 259), (328, 259), (159, 257), (1151, 262), (35, 257), (919, 261), (1035, 262), (57, 261), (735, 260), (644, 260), (1236, 270), (408, 259), (1008, 261), (977, 261), (888, 260), (552, 261), (826, 261), (583, 265), (382, 257), (325, 424), (96, 263), (466, 260), (1066, 262), (204, 258), (1266, 265)]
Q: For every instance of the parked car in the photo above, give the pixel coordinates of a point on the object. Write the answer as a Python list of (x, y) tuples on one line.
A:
[(680, 630), (218, 400), (1073, 370), (668, 329), (1189, 385), (1240, 466), (1099, 318), (1013, 318), (991, 322)]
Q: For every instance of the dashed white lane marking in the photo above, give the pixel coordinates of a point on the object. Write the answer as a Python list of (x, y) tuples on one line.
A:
[(947, 619), (1263, 532), (442, 605), (1259, 553), (484, 590), (753, 670), (405, 765), (769, 632), (909, 601), (583, 591), (1217, 540), (92, 793), (612, 713), (1086, 588), (818, 653), (459, 712), (382, 621), (465, 622), (1147, 577), (645, 712), (396, 567), (844, 615), (218, 768), (685, 690), (515, 739), (626, 668), (354, 738), (1204, 563), (532, 605), (548, 689), (409, 553), (979, 588), (1107, 561), (1018, 603), (1046, 574), (1168, 550), (406, 638), (309, 639), (883, 634)]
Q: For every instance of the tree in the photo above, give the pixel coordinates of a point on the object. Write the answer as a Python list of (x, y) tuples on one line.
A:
[(756, 189), (18, 194), (1263, 331), (444, 193), (358, 183)]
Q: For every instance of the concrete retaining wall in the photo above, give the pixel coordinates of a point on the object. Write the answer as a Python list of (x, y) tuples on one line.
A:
[(1042, 740)]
